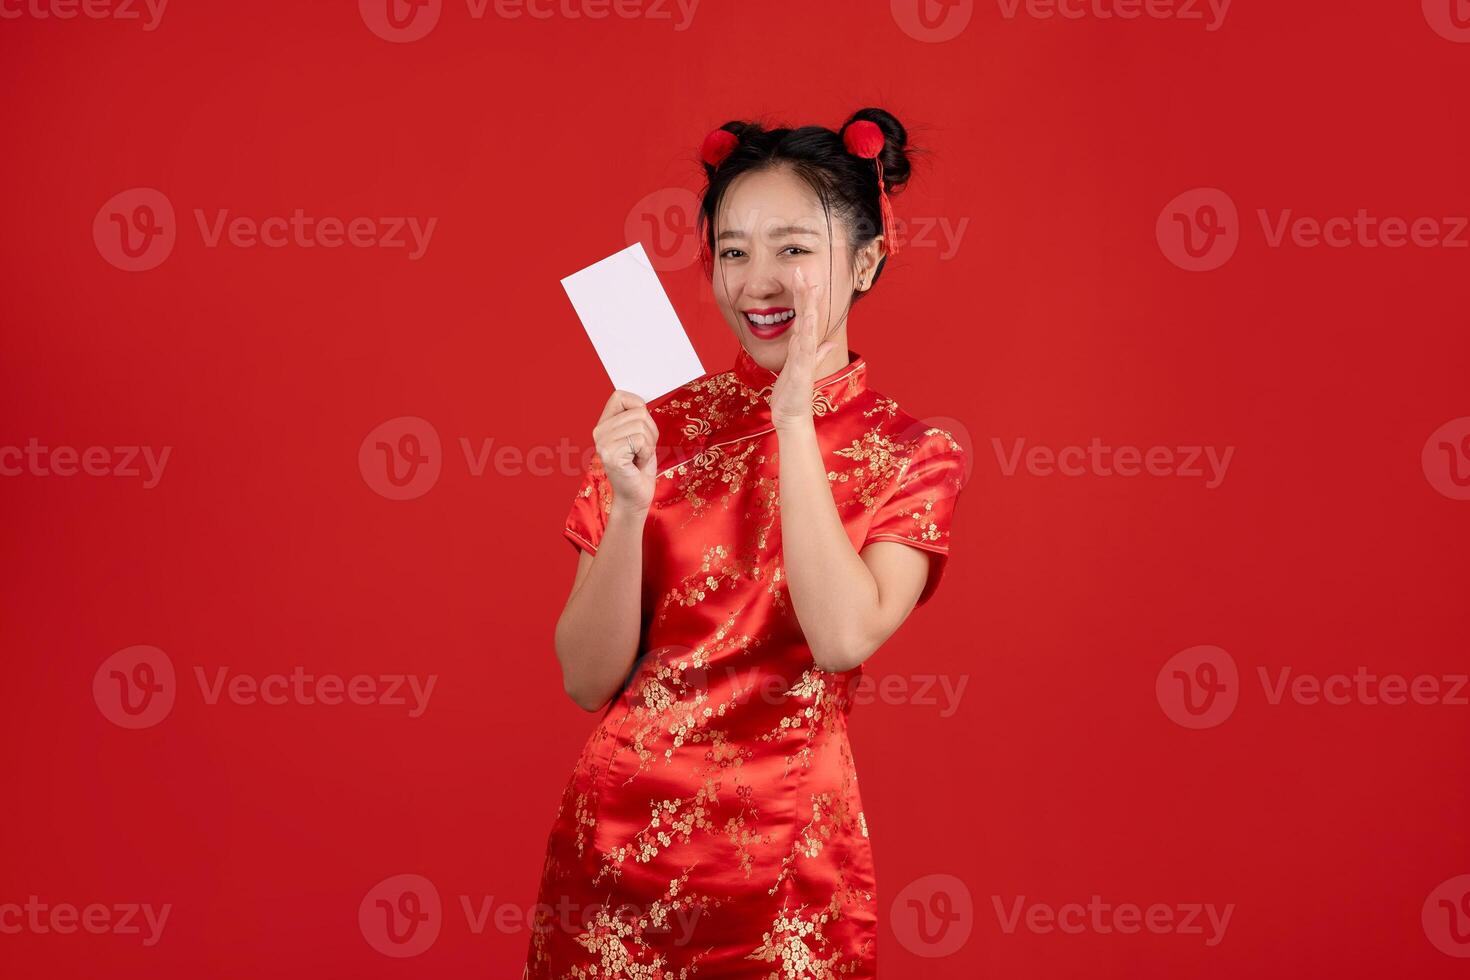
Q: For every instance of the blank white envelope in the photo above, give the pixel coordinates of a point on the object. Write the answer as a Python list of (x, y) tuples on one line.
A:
[(632, 324)]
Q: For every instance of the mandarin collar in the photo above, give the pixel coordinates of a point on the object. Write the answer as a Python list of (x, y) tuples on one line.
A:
[(834, 389)]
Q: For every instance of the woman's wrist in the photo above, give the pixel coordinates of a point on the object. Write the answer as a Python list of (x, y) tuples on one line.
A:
[(796, 429), (631, 514)]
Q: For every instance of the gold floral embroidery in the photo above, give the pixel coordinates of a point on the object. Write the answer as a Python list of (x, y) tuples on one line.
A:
[(620, 945), (881, 456), (767, 497), (948, 438), (726, 473), (831, 814), (926, 529), (887, 406), (715, 569), (598, 484), (671, 699), (792, 942)]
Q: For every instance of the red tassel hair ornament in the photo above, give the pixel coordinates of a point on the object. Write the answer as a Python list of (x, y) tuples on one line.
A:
[(864, 139)]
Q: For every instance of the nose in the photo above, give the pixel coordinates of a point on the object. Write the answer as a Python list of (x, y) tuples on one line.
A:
[(764, 280)]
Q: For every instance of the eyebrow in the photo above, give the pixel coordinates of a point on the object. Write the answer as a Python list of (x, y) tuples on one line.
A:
[(783, 230)]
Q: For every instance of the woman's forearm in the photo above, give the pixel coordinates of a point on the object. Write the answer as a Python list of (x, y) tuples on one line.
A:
[(598, 632), (832, 591)]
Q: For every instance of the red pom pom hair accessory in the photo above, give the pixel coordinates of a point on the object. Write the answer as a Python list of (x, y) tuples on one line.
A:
[(716, 147), (864, 139)]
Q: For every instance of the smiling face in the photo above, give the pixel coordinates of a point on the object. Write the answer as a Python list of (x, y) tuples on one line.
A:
[(771, 223)]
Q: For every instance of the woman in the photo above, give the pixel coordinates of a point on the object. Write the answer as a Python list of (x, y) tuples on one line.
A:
[(746, 542)]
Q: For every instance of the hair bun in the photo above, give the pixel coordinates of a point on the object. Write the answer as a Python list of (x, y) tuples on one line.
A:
[(873, 125)]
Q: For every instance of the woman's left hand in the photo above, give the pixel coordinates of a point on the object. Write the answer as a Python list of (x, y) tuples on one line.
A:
[(791, 397)]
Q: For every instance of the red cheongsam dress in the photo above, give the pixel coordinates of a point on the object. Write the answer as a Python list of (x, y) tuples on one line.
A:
[(712, 827)]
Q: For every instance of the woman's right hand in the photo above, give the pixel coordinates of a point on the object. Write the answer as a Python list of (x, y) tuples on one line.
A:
[(632, 478)]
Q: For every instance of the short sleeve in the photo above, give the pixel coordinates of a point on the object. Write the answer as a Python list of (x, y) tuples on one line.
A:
[(919, 508), (590, 508)]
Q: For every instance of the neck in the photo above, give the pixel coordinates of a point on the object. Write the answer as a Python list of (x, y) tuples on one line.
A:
[(835, 360)]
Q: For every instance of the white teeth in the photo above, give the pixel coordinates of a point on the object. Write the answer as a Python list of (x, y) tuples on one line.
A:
[(775, 318)]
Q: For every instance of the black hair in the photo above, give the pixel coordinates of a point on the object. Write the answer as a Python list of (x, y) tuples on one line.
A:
[(846, 184)]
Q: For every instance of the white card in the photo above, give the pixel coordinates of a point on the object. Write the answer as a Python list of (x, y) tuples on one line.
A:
[(632, 324)]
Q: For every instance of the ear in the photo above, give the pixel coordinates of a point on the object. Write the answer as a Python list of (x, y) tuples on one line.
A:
[(866, 264)]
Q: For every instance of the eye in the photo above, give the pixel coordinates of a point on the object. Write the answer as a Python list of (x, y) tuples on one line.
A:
[(725, 254), (798, 248)]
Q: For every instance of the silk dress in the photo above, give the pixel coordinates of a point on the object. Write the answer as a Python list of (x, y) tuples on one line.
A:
[(712, 826)]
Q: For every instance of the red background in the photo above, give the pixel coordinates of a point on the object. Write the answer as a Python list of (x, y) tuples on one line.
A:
[(1059, 318)]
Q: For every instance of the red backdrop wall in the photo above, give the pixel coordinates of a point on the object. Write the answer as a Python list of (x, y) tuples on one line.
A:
[(1150, 724)]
